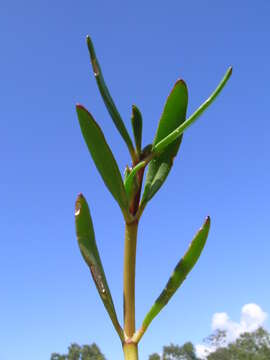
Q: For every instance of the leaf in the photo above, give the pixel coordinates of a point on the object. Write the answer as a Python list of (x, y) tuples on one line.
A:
[(103, 158), (174, 114), (89, 251), (136, 121), (106, 96), (130, 181), (181, 271), (166, 142)]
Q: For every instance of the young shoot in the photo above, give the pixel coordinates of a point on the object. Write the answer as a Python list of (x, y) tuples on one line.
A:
[(154, 160)]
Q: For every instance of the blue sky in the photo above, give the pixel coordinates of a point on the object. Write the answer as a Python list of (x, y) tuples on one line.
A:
[(47, 297)]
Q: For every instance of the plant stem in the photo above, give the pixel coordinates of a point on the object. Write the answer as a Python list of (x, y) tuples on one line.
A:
[(129, 278), (130, 349)]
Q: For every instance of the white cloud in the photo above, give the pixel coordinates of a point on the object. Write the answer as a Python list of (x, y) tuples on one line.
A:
[(203, 350), (252, 317)]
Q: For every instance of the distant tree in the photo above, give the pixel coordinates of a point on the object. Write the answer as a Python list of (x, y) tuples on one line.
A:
[(175, 352), (154, 356), (74, 352), (217, 339), (91, 353), (77, 352), (249, 346), (56, 356)]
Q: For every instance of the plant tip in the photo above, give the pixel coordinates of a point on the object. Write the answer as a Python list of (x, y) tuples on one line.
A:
[(79, 107), (88, 39), (178, 81)]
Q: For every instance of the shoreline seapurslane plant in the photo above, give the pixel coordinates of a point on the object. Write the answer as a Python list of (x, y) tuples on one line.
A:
[(127, 191)]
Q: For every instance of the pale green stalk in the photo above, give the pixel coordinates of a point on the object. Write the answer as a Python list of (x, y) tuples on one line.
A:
[(130, 349)]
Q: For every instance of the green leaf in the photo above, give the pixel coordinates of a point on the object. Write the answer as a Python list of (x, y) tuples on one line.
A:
[(103, 158), (89, 251), (166, 142), (136, 121), (108, 101), (181, 271), (130, 181), (174, 114)]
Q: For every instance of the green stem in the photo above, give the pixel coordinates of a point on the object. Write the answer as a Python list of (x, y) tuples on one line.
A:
[(130, 351), (129, 278)]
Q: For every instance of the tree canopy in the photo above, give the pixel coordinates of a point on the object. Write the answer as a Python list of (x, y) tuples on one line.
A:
[(249, 346), (77, 352)]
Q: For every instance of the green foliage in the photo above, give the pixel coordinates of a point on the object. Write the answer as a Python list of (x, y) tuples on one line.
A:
[(56, 356), (103, 157), (175, 352), (217, 339), (173, 115), (131, 180), (163, 144), (74, 352), (137, 123), (106, 96), (154, 356), (159, 158), (89, 251), (91, 353), (77, 352), (249, 346), (181, 271)]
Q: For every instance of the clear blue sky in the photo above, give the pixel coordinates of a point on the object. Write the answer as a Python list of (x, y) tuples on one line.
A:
[(47, 297)]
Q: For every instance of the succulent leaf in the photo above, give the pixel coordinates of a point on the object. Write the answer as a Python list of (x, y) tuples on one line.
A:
[(166, 142), (173, 115), (130, 181), (106, 96), (181, 271), (103, 158), (136, 121), (88, 247)]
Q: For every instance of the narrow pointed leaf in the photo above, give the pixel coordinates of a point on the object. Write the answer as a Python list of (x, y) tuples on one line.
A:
[(126, 173), (89, 251), (181, 271), (131, 178), (136, 121), (173, 115), (166, 142), (106, 96), (103, 157)]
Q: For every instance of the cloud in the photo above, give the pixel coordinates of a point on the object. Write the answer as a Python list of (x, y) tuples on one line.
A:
[(252, 317), (203, 350)]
